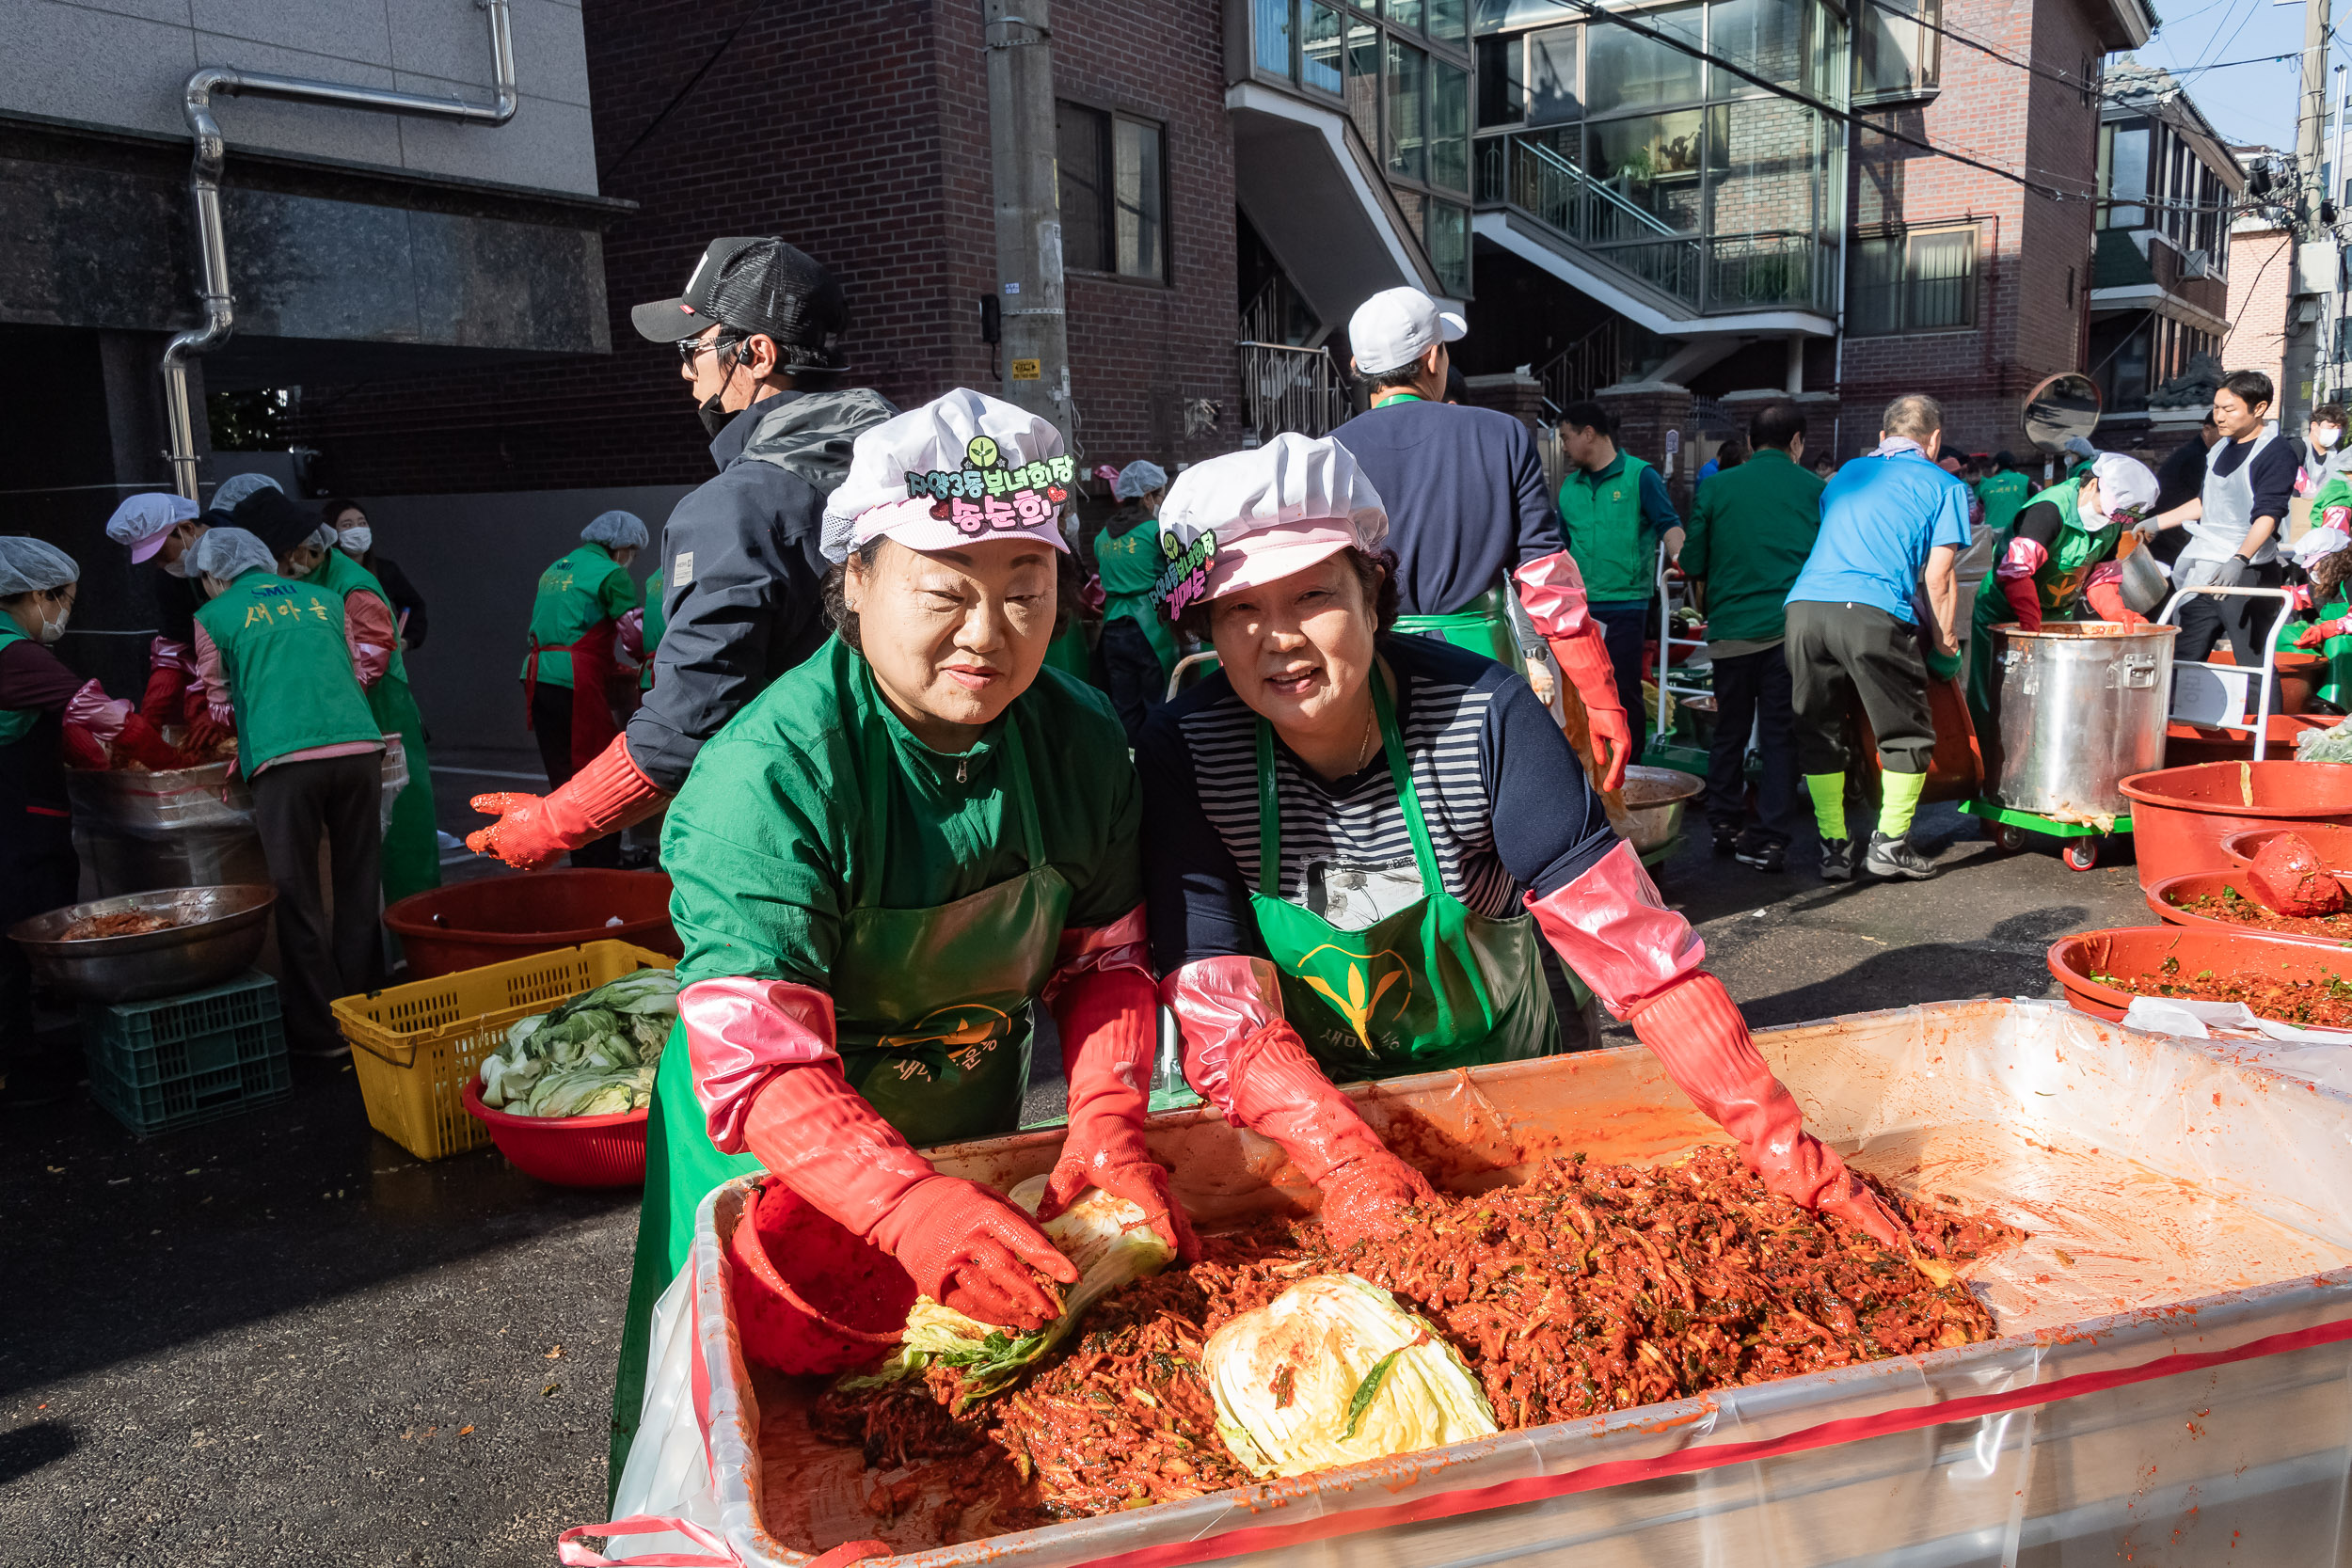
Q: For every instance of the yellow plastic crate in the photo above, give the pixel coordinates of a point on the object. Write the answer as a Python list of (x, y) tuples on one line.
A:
[(415, 1046)]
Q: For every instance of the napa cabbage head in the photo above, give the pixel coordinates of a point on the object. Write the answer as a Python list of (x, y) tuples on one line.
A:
[(1334, 1372)]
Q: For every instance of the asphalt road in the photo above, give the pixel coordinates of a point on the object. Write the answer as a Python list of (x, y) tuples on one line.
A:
[(279, 1339)]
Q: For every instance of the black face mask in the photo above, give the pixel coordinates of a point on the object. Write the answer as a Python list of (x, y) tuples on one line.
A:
[(713, 415)]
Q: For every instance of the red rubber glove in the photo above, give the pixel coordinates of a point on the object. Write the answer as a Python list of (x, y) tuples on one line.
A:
[(2319, 632), (1244, 1057), (610, 794), (169, 666), (2104, 592), (206, 732), (1109, 1021), (964, 1245), (143, 743), (2024, 601), (1552, 592), (1643, 959)]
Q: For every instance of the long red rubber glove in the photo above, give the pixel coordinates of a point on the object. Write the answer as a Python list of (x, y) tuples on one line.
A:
[(2319, 631), (99, 726), (608, 795), (144, 743), (1643, 959), (1552, 591), (1109, 1021), (2019, 562), (1246, 1059), (169, 666)]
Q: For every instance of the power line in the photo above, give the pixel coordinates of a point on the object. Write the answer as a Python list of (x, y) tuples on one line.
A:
[(2053, 74)]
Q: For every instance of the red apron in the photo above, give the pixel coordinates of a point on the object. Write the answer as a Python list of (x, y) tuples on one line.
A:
[(592, 673)]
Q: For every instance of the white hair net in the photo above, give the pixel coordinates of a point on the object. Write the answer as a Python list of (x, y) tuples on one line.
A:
[(28, 566), (237, 486), (325, 537), (1140, 478), (139, 519), (225, 554), (616, 530)]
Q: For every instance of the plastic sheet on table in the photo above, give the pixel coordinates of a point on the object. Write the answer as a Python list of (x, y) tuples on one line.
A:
[(2170, 1384), (171, 802)]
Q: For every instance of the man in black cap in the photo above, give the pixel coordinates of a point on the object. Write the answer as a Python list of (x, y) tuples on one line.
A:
[(742, 563)]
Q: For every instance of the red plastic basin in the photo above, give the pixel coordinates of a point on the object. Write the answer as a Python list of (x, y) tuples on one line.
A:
[(2180, 816), (568, 1152), (2333, 844), (2130, 951), (809, 1295), (2197, 884), (497, 918)]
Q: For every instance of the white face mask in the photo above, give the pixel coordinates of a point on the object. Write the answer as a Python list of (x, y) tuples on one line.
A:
[(2325, 437), (353, 542), (52, 630), (177, 568)]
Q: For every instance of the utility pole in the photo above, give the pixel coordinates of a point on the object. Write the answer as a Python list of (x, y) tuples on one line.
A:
[(1034, 357), (2315, 264)]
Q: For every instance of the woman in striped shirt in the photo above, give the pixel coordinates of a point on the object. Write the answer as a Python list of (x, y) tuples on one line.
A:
[(1353, 842)]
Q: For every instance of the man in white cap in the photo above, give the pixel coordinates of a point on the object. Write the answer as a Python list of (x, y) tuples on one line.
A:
[(1464, 491), (756, 330)]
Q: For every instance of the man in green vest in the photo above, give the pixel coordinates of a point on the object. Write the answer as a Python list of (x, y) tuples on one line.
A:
[(574, 623), (1614, 514), (276, 664), (2002, 492)]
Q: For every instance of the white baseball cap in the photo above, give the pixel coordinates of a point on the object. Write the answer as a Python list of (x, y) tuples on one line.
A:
[(1396, 326), (961, 469), (1257, 516)]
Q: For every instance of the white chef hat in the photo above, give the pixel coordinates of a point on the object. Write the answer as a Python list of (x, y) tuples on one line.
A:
[(1254, 516), (962, 468), (2126, 488), (142, 522)]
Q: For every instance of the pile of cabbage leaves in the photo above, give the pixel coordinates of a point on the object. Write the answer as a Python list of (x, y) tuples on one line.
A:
[(593, 1056)]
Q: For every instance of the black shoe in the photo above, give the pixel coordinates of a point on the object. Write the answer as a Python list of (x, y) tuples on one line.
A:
[(1726, 838), (1765, 854), (1895, 857), (1838, 860)]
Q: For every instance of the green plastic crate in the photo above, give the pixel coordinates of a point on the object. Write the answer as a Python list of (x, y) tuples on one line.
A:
[(160, 1066)]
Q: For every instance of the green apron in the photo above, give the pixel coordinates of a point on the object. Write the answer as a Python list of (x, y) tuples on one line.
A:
[(1431, 987), (1483, 627), (931, 1019), (2058, 585), (1069, 652), (15, 722), (412, 845), (1128, 564)]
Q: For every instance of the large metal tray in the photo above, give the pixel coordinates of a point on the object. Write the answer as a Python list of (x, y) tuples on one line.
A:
[(2170, 1386)]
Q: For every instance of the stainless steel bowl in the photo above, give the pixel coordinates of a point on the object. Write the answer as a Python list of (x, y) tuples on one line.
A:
[(219, 934), (1655, 799)]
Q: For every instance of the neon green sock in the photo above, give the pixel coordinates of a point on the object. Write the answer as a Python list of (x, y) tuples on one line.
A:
[(1829, 803), (1900, 802)]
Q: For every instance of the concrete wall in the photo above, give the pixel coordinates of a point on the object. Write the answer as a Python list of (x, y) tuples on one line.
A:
[(122, 63), (477, 559)]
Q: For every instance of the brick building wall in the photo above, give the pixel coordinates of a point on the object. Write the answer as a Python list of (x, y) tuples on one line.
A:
[(2033, 252), (858, 131), (2262, 268)]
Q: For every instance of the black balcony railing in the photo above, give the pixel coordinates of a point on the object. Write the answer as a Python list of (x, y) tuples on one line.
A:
[(1285, 388)]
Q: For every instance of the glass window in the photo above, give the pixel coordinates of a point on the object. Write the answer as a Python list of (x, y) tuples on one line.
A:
[(1319, 49), (2124, 173), (1626, 71), (1502, 82), (1767, 37), (1767, 157), (1554, 80), (1408, 76), (1406, 13), (1270, 30), (1920, 282), (1448, 126), (1875, 309), (1447, 235), (1078, 136), (1141, 214), (1449, 22), (1648, 168), (1364, 81), (1895, 56)]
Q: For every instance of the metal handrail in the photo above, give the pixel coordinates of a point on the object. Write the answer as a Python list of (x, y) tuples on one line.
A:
[(2268, 671), (1585, 176), (1288, 387), (1667, 642)]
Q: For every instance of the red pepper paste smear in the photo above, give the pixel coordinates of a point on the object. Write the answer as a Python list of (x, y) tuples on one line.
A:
[(2321, 1003), (2238, 909), (1593, 1287)]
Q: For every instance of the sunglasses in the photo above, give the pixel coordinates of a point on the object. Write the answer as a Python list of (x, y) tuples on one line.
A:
[(692, 349)]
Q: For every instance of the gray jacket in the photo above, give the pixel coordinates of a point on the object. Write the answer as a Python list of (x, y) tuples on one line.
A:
[(743, 570)]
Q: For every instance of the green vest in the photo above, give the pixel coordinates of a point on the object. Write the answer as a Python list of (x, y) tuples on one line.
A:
[(344, 576), (571, 601), (1129, 564), (2004, 496), (281, 646), (15, 722), (2078, 549), (1603, 530)]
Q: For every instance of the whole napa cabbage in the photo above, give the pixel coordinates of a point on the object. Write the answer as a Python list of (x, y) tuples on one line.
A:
[(1333, 1371)]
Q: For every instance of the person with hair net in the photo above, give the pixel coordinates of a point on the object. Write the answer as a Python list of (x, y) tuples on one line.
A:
[(1138, 650), (883, 865), (50, 718), (412, 846), (276, 667), (757, 331), (161, 528), (573, 656)]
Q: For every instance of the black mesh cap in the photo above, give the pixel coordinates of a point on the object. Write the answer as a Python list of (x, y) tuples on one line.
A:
[(751, 284)]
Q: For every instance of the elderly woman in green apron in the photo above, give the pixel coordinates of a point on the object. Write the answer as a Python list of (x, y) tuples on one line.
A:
[(1138, 650), (1358, 840), (2046, 564), (883, 863), (2325, 557), (412, 848)]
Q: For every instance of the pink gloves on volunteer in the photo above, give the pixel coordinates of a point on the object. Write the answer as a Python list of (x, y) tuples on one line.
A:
[(1552, 591), (97, 725)]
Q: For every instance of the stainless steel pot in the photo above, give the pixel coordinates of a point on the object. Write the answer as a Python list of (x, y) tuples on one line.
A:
[(1655, 799), (219, 934), (2082, 707)]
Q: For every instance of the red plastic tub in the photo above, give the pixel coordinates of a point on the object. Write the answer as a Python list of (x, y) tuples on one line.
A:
[(2197, 884), (2180, 816), (568, 1152), (809, 1295), (2130, 951), (2333, 842), (498, 918)]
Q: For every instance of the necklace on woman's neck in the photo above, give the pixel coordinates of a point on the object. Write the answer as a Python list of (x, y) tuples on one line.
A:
[(1364, 748)]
